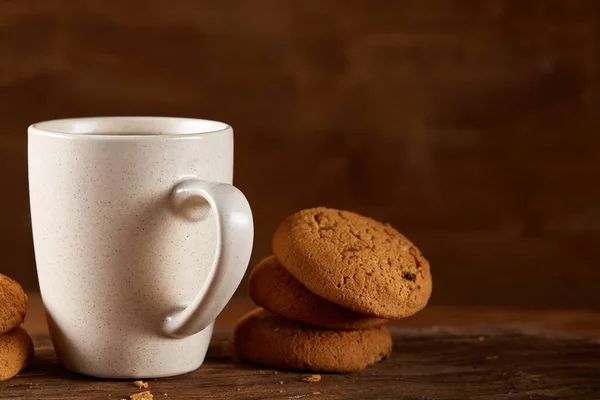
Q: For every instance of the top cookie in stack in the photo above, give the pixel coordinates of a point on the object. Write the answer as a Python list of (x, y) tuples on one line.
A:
[(354, 261), (335, 279), (13, 304)]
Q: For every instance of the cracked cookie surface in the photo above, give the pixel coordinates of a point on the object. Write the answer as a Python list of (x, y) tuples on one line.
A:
[(13, 304), (16, 349), (268, 339), (275, 289), (354, 261)]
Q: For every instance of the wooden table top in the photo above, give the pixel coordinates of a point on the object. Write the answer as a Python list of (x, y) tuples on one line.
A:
[(440, 353)]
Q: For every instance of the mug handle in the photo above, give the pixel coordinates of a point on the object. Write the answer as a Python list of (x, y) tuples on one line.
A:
[(235, 235)]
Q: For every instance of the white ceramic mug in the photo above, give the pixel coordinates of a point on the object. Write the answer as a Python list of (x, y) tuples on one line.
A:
[(140, 239)]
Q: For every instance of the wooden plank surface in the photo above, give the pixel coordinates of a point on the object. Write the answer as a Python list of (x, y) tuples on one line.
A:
[(425, 364), (441, 353), (470, 125)]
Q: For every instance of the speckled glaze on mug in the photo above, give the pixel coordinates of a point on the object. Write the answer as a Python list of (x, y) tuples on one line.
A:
[(140, 239)]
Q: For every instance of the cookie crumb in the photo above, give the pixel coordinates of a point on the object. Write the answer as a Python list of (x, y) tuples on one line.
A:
[(311, 379), (275, 372), (141, 384), (166, 395), (237, 389), (377, 358), (145, 395), (281, 391), (316, 393)]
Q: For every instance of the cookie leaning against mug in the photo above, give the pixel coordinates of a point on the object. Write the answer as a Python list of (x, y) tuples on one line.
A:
[(16, 349), (13, 304), (275, 289), (268, 339), (354, 261)]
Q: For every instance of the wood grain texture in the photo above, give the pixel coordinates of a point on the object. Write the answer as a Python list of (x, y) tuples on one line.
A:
[(495, 364), (469, 125), (440, 353)]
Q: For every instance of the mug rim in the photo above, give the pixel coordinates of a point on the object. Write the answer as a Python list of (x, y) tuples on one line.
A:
[(128, 127)]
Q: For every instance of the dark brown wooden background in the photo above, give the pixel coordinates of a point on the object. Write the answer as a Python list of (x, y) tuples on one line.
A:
[(472, 126)]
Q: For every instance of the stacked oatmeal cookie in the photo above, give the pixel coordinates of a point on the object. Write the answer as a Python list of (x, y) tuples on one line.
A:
[(16, 347), (326, 294)]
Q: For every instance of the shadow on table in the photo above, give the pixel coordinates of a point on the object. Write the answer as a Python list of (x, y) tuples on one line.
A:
[(46, 364)]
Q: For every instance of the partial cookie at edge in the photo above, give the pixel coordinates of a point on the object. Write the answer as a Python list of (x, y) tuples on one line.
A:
[(13, 304), (16, 350)]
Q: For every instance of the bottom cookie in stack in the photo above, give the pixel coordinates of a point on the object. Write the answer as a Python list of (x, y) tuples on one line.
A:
[(16, 347), (269, 339), (301, 331)]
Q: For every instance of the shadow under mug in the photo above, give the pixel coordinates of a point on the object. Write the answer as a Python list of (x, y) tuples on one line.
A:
[(140, 239)]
